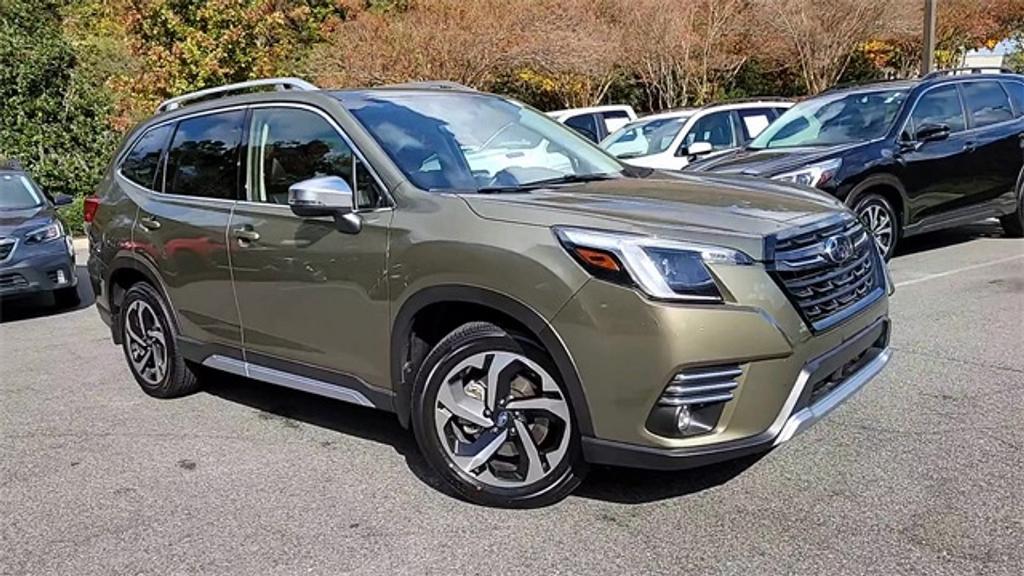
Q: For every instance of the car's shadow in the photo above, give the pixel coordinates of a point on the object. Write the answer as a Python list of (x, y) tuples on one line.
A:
[(603, 483), (42, 305), (949, 237)]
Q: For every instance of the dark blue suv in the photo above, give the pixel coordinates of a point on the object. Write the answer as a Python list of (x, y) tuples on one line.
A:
[(36, 253), (907, 156)]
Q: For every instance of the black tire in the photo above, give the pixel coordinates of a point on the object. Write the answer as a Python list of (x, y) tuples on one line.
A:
[(471, 340), (66, 297), (1013, 224), (875, 205), (177, 378)]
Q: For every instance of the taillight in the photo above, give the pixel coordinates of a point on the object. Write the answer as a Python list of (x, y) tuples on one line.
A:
[(89, 208)]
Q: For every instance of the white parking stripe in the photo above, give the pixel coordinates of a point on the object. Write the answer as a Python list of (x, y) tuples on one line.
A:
[(956, 271)]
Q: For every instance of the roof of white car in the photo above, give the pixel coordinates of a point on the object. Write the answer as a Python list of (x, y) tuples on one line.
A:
[(591, 109)]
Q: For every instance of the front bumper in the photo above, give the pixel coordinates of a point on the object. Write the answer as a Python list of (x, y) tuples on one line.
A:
[(37, 269), (869, 348)]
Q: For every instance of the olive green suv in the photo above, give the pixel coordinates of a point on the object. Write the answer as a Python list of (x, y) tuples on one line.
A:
[(523, 301)]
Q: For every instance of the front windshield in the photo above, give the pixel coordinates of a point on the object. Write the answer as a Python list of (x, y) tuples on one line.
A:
[(18, 193), (833, 119), (459, 141), (644, 138)]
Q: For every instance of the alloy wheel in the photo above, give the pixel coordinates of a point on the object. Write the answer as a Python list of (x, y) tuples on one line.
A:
[(502, 419), (147, 343), (880, 223)]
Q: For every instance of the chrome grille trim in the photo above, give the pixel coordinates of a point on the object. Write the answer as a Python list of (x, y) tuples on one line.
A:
[(7, 246), (700, 386), (824, 292)]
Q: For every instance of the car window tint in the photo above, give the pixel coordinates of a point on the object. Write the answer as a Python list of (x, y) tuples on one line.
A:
[(615, 119), (585, 124), (754, 121), (288, 145), (143, 162), (1016, 91), (938, 106), (203, 159), (987, 103), (715, 129)]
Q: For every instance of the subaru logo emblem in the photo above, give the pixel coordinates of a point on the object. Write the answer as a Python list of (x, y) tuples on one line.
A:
[(838, 249)]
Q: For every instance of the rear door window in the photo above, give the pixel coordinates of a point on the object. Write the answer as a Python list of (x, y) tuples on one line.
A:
[(754, 120), (204, 156), (987, 103), (1016, 91), (938, 106), (142, 164), (615, 119)]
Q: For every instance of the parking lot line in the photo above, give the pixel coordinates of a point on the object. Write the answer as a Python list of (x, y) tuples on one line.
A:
[(957, 271)]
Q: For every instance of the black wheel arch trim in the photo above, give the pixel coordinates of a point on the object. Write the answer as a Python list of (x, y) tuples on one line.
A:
[(531, 319), (132, 261), (882, 180)]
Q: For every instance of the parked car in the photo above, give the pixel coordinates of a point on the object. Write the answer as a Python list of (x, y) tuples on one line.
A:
[(36, 252), (908, 157), (671, 140), (524, 314), (595, 122)]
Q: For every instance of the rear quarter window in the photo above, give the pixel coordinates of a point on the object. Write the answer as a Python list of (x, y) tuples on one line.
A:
[(1016, 92), (142, 163)]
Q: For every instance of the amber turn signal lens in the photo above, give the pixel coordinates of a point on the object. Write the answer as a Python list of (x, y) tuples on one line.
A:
[(598, 259)]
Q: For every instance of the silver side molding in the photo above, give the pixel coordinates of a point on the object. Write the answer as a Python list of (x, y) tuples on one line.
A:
[(287, 380)]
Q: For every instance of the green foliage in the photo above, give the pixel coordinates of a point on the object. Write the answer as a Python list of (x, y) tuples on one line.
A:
[(1015, 59), (72, 215), (51, 117)]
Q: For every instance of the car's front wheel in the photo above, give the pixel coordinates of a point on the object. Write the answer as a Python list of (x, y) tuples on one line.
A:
[(150, 345), (879, 217), (494, 421)]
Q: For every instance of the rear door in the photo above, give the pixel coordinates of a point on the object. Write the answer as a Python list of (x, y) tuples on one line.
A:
[(313, 300), (181, 224), (995, 139)]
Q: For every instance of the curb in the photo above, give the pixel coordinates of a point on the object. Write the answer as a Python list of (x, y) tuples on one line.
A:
[(81, 244)]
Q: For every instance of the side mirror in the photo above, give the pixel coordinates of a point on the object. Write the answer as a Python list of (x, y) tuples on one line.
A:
[(932, 132), (62, 200), (325, 196), (696, 149)]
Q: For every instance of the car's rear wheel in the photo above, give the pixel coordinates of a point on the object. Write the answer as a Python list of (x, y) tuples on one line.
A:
[(493, 419), (1013, 224), (149, 341), (878, 216)]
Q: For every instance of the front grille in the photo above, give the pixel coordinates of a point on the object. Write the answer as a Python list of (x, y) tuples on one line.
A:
[(6, 248), (825, 287), (12, 280)]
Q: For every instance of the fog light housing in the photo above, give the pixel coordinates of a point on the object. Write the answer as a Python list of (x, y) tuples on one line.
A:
[(683, 419)]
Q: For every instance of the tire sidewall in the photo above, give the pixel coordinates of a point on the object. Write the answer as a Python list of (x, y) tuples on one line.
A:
[(874, 199), (435, 367)]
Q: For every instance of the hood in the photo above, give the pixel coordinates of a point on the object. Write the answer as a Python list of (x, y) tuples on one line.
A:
[(769, 161), (17, 222), (736, 212)]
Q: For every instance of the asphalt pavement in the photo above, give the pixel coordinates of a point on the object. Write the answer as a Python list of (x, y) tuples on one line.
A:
[(921, 473)]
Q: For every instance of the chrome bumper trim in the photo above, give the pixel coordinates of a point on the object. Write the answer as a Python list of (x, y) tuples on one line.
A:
[(806, 417)]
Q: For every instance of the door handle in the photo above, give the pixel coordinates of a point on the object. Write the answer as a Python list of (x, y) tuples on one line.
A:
[(245, 234), (149, 223), (969, 147)]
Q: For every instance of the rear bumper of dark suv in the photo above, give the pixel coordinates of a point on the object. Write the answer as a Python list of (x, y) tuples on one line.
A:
[(823, 384)]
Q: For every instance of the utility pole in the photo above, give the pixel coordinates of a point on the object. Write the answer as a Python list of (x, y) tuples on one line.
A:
[(928, 47)]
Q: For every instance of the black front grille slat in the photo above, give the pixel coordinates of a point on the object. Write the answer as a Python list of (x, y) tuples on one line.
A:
[(820, 288), (12, 280)]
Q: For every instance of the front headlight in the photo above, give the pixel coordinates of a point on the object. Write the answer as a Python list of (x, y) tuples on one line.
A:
[(45, 234), (662, 269), (814, 175)]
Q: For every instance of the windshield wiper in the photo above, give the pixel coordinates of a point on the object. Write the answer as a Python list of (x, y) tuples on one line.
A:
[(547, 183)]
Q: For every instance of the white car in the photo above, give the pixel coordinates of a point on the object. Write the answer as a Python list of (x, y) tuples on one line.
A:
[(671, 140), (595, 122)]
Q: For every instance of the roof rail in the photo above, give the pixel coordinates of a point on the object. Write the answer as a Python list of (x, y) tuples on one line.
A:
[(435, 84), (750, 100), (968, 70), (278, 83)]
